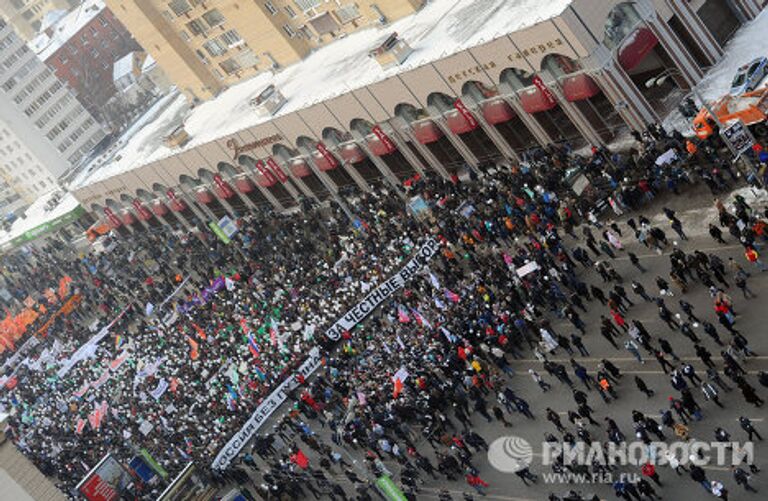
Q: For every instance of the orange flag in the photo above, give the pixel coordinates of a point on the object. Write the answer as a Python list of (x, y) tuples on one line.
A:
[(200, 331), (194, 354), (398, 388)]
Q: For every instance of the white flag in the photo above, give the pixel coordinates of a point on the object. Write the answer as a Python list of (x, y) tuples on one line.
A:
[(435, 282)]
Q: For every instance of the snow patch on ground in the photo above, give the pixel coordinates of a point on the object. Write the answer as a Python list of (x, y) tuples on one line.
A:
[(696, 221)]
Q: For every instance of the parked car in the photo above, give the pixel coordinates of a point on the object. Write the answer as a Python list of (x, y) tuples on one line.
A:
[(749, 76)]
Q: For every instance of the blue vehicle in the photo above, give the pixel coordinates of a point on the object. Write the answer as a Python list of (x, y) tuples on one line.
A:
[(749, 76)]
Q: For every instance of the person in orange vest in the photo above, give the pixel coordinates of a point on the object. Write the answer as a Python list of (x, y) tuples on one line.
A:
[(691, 148), (753, 257)]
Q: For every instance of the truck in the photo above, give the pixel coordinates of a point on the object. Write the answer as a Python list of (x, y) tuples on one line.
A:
[(751, 108)]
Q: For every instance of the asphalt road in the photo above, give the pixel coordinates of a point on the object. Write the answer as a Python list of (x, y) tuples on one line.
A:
[(695, 209)]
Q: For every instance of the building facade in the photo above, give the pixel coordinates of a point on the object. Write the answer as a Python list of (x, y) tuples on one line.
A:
[(206, 46), (44, 130), (579, 77), (81, 48), (27, 16)]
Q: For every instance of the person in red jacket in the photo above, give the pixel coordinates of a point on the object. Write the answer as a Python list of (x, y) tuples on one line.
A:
[(649, 470), (753, 257), (478, 483)]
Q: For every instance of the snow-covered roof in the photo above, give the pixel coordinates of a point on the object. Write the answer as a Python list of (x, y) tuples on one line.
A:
[(65, 28), (52, 17), (37, 215), (441, 28), (123, 66), (140, 143), (149, 63)]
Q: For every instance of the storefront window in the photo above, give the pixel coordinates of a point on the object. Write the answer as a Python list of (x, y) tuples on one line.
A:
[(622, 21)]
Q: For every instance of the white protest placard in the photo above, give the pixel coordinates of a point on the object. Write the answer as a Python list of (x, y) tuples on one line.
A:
[(145, 427), (161, 387), (527, 268), (402, 374)]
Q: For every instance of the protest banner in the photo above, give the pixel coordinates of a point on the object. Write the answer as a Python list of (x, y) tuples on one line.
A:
[(384, 291), (264, 410)]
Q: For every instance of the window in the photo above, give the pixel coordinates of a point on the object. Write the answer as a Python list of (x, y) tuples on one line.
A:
[(197, 27), (84, 39), (347, 13), (288, 30), (289, 10), (103, 21), (213, 17), (179, 7), (201, 56), (214, 48), (305, 32), (184, 36), (63, 59), (218, 73), (270, 8), (229, 66), (247, 58), (94, 31), (230, 38), (306, 5), (167, 16)]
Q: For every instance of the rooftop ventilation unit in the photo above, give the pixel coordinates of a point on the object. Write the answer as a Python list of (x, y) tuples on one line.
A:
[(393, 51), (268, 101)]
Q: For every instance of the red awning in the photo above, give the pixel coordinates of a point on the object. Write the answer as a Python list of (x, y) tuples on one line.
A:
[(579, 87), (635, 47), (224, 192), (204, 196), (496, 111), (159, 208), (144, 215), (352, 153), (129, 218), (299, 168), (322, 162), (458, 124), (377, 146), (244, 185), (426, 131), (178, 205), (534, 101), (264, 181)]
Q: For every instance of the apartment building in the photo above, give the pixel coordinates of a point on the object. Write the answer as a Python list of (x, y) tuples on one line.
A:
[(28, 16), (206, 46), (81, 48), (44, 130)]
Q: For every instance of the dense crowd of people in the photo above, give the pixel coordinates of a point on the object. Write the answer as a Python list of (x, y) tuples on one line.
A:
[(186, 363)]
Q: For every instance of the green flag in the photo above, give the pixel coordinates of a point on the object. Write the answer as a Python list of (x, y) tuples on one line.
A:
[(390, 490), (144, 453)]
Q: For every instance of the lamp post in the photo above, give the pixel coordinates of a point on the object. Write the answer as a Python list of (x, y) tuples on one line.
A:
[(662, 77)]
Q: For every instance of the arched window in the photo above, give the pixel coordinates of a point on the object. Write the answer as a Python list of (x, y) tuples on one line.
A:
[(621, 22), (478, 91), (516, 79)]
